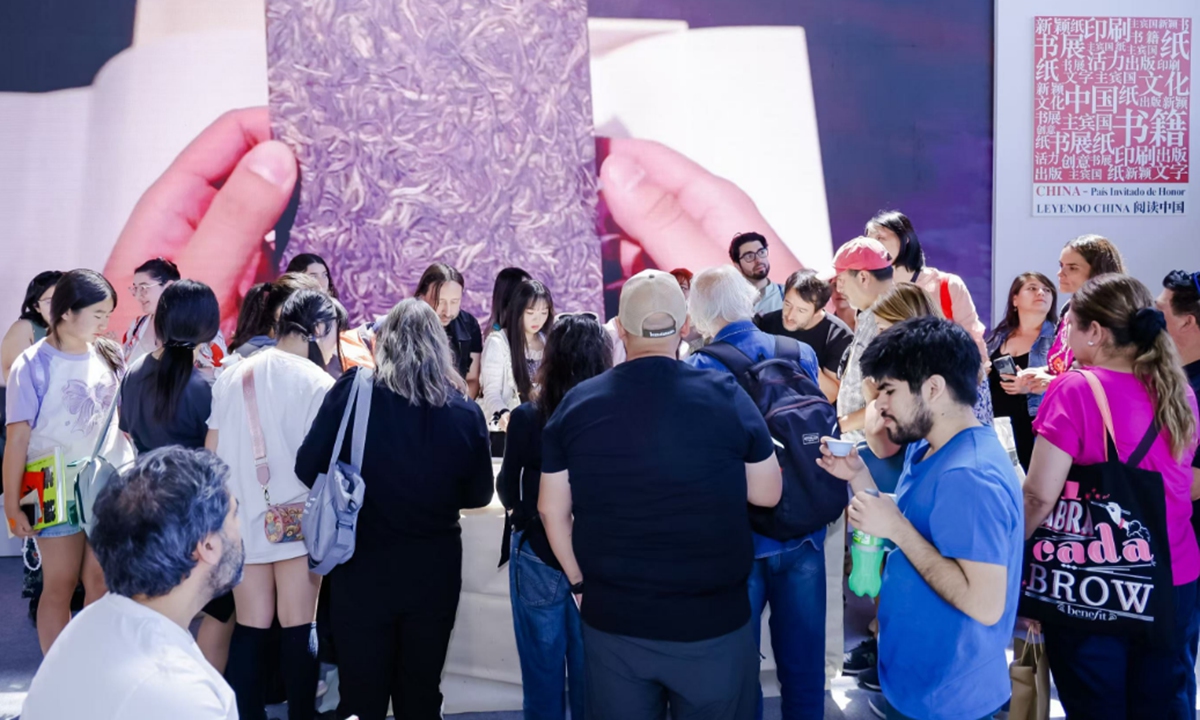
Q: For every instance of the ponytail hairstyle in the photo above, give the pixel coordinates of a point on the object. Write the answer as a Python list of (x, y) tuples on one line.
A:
[(187, 316), (161, 269), (250, 316), (261, 306), (38, 286), (311, 314), (79, 289), (1100, 253), (1125, 308), (512, 324)]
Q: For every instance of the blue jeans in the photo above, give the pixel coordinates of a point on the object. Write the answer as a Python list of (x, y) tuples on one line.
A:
[(793, 582), (1101, 676), (549, 634)]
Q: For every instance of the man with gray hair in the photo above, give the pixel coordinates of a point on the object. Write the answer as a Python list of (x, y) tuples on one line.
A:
[(646, 474), (789, 567), (167, 537)]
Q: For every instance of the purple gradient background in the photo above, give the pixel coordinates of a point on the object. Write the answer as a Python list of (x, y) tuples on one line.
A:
[(904, 109)]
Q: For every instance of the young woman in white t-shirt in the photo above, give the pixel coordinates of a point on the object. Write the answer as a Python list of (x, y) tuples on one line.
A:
[(289, 385), (59, 394), (512, 354)]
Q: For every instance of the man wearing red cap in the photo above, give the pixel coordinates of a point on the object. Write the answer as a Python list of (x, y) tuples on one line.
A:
[(864, 272)]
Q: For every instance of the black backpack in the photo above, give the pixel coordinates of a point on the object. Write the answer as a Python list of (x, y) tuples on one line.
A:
[(798, 415)]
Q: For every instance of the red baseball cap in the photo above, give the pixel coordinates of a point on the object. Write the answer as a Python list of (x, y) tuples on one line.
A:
[(861, 253)]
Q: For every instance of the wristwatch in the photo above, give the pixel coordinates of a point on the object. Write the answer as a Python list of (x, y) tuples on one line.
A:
[(577, 588)]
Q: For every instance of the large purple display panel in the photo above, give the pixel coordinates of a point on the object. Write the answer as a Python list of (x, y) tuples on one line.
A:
[(438, 130)]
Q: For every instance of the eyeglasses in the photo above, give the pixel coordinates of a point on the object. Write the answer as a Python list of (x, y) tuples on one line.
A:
[(761, 254), (142, 288)]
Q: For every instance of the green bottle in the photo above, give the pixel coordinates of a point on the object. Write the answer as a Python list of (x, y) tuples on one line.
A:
[(866, 559)]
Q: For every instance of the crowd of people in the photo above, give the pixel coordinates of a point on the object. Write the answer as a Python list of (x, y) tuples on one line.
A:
[(667, 476)]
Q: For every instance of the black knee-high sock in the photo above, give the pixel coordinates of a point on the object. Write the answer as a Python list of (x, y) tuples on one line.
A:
[(298, 658), (244, 671)]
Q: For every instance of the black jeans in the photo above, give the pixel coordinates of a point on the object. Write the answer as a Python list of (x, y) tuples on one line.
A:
[(1103, 676), (634, 679), (391, 641)]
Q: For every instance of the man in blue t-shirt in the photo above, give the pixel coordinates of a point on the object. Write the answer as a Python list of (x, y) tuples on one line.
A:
[(646, 472), (789, 575), (950, 590)]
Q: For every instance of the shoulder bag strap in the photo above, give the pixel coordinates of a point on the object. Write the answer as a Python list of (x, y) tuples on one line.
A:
[(947, 301), (365, 387), (341, 433), (108, 418), (736, 360), (1110, 437), (1144, 446), (261, 468)]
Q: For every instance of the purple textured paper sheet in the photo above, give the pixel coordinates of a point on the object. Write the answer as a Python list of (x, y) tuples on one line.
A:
[(439, 130)]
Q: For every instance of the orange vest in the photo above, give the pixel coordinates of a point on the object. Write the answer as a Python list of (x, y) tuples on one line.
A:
[(357, 348)]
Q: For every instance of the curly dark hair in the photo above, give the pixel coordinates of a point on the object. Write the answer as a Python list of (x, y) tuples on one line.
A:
[(578, 348)]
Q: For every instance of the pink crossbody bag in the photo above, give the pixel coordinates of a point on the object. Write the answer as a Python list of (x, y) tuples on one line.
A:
[(282, 522)]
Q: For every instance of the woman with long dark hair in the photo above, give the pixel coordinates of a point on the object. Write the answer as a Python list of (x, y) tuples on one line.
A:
[(545, 618), (1119, 337), (512, 354), (165, 399), (33, 323), (1024, 335), (60, 392), (316, 268), (895, 231), (263, 407), (425, 457), (150, 281), (506, 284), (260, 311)]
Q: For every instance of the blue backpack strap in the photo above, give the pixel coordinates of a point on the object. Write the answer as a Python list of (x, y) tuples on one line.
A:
[(729, 356), (787, 348)]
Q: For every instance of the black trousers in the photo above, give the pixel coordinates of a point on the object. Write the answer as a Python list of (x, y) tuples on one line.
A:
[(635, 679), (392, 638)]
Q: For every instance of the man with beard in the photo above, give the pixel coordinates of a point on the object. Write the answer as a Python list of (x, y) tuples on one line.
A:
[(949, 597), (166, 534), (749, 252)]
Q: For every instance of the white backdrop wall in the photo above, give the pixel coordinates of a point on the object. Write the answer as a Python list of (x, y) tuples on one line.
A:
[(1152, 246)]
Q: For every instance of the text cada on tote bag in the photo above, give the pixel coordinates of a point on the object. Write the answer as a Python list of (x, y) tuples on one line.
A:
[(1100, 562)]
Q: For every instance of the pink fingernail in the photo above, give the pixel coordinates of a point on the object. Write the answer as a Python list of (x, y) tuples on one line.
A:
[(624, 173), (273, 162)]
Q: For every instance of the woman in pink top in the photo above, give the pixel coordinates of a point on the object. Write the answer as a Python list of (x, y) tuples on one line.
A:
[(1119, 335), (895, 231)]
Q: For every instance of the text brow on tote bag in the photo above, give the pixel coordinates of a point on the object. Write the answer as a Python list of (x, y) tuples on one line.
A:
[(1100, 562)]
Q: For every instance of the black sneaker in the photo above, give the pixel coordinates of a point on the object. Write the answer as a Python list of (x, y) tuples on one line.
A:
[(869, 679), (879, 705), (863, 657)]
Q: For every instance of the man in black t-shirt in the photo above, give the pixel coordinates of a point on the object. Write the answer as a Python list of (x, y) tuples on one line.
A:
[(803, 317), (1180, 305), (441, 287), (646, 474)]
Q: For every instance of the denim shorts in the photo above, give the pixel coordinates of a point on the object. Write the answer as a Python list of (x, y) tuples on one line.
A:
[(56, 531)]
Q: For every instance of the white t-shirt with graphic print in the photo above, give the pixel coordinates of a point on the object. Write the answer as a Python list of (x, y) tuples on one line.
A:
[(65, 398)]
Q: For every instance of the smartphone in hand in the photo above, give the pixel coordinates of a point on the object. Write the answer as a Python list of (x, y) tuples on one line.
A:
[(1005, 365)]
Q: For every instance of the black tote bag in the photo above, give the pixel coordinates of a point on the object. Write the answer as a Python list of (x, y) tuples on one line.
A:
[(1100, 562)]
